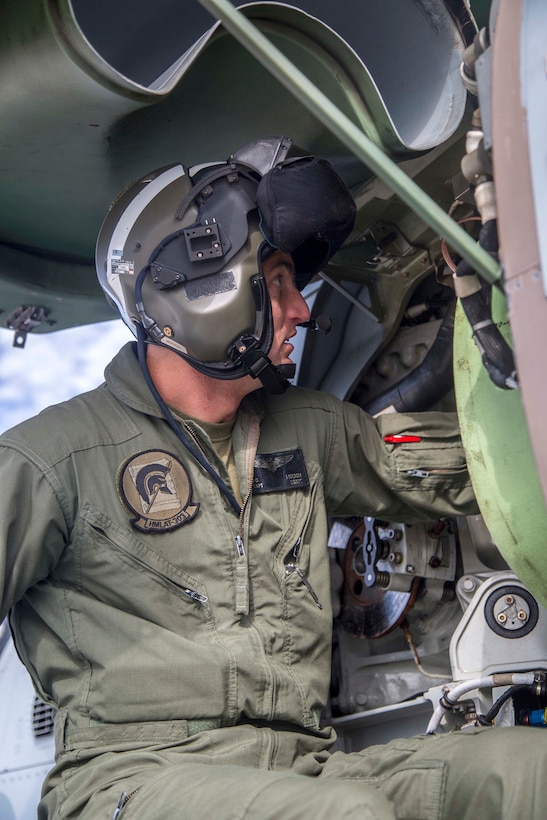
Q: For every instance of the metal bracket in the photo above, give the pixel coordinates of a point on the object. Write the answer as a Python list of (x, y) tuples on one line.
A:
[(364, 560), (204, 241), (23, 319)]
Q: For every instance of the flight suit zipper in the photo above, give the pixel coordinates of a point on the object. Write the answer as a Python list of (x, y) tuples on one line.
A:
[(292, 567), (424, 472), (188, 591), (242, 569), (241, 573), (122, 802)]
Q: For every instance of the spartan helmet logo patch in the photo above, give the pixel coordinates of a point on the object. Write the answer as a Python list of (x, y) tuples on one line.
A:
[(156, 486)]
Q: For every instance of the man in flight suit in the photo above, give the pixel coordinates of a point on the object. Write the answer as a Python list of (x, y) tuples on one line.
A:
[(164, 536)]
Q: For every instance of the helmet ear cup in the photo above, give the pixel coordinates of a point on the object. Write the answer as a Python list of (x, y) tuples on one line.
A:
[(207, 314)]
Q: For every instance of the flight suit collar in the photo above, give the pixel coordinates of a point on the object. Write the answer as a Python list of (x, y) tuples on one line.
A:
[(124, 379)]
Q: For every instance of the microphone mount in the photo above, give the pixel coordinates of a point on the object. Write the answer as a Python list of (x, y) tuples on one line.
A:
[(322, 323)]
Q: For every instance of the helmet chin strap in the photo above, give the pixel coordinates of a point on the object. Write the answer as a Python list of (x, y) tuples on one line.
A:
[(275, 378), (259, 366)]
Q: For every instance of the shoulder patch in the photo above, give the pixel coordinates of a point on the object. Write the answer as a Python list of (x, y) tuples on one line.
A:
[(274, 472), (155, 486)]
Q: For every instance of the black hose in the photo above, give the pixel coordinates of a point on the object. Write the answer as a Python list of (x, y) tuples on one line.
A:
[(428, 382), (497, 355), (486, 720)]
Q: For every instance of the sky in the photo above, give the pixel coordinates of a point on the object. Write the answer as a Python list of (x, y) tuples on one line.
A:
[(53, 367)]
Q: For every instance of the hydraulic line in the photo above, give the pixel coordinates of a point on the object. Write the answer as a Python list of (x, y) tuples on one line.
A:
[(475, 298), (488, 718), (451, 697), (428, 383), (473, 292)]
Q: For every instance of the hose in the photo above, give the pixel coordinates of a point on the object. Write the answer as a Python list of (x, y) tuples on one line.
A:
[(474, 293), (488, 718), (429, 382), (451, 697), (475, 297)]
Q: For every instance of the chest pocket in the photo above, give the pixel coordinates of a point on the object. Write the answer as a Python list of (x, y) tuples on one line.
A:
[(286, 494), (119, 569)]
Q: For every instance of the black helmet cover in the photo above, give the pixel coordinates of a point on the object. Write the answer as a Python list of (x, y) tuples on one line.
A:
[(307, 210)]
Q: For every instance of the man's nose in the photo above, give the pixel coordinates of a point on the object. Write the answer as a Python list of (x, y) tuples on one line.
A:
[(300, 311)]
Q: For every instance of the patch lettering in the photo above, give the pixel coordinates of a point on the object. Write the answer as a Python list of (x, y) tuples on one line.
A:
[(156, 487), (274, 472)]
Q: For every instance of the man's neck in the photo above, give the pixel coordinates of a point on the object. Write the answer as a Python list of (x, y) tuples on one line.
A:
[(193, 393)]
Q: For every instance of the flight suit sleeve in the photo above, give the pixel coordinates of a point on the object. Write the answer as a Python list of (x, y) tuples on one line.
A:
[(33, 530), (400, 466)]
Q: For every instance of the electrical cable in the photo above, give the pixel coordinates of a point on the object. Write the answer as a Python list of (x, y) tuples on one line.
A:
[(488, 718), (451, 696), (176, 427)]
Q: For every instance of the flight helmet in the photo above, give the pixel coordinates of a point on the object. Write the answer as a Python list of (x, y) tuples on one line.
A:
[(180, 252)]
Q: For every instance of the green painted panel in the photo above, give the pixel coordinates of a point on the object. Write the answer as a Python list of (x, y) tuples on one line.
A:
[(77, 125), (500, 458)]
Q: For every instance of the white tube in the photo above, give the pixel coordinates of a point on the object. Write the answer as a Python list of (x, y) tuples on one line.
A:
[(453, 695)]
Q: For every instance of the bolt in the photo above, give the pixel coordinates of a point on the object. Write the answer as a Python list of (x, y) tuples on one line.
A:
[(410, 568), (168, 330), (502, 617), (509, 600), (468, 584), (521, 615), (470, 716)]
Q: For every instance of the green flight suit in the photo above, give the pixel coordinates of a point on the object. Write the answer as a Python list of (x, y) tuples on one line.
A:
[(173, 635)]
